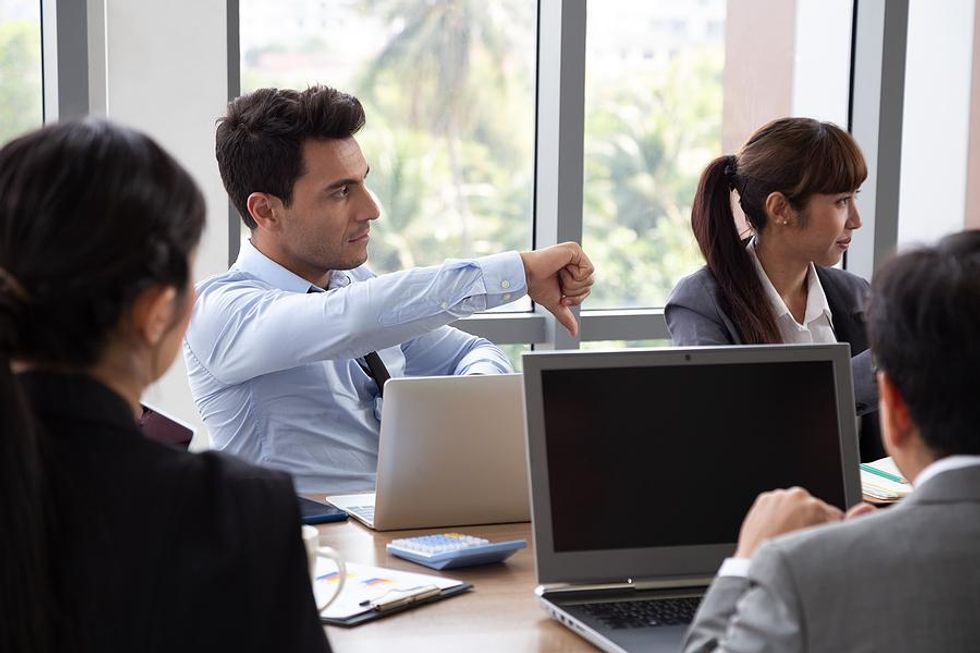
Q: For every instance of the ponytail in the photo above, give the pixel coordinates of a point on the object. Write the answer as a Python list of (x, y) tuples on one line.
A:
[(26, 594), (713, 222)]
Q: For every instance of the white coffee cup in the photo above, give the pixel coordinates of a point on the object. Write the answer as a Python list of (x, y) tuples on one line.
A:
[(311, 540)]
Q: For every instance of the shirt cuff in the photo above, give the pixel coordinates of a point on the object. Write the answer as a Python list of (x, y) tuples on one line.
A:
[(738, 567), (503, 278)]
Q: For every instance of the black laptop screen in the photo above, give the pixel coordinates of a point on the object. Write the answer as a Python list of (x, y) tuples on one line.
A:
[(675, 455)]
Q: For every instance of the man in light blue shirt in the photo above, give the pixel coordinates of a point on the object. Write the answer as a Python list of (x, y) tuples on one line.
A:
[(287, 352)]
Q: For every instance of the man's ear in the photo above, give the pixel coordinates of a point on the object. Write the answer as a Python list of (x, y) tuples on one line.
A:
[(153, 313), (778, 209), (896, 419), (265, 209)]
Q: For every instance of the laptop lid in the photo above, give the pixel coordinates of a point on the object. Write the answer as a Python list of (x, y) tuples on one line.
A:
[(643, 463), (157, 424), (452, 452)]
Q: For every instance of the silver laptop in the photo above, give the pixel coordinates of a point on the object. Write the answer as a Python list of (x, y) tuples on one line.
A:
[(452, 452), (644, 462)]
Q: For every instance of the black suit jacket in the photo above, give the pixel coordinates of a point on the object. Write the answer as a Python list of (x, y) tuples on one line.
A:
[(156, 549), (696, 315)]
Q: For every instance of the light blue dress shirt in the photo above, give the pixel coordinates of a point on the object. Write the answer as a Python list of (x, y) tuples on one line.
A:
[(274, 368)]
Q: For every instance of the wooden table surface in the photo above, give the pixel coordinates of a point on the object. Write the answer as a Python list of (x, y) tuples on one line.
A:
[(500, 613)]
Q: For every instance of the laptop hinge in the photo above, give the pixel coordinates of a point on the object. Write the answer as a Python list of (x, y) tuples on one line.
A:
[(629, 583)]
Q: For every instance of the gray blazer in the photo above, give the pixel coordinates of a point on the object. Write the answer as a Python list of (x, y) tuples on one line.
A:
[(695, 317), (904, 579)]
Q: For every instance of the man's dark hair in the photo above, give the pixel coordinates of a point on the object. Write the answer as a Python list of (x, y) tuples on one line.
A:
[(924, 324), (259, 142)]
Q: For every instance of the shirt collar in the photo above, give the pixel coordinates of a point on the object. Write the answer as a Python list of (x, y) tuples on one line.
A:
[(816, 298), (258, 264), (946, 464)]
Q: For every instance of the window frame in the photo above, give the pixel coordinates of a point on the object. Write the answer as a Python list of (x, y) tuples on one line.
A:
[(875, 118)]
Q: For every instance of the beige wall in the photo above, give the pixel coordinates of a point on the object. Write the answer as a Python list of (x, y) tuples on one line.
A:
[(167, 75), (759, 58)]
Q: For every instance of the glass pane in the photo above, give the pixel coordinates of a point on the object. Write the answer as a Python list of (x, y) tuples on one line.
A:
[(21, 93), (448, 88), (671, 84), (514, 354)]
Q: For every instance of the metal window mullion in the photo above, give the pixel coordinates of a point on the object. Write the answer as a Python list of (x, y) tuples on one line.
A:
[(514, 328), (624, 325), (234, 90), (560, 124), (877, 98), (64, 59)]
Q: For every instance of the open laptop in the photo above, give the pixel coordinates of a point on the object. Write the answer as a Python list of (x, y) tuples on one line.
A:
[(451, 452), (644, 463)]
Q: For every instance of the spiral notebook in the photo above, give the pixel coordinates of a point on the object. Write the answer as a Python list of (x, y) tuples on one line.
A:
[(365, 585)]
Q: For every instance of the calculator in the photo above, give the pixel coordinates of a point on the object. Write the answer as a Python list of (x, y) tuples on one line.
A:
[(452, 550)]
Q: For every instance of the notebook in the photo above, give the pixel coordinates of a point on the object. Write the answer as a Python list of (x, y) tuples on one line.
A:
[(365, 584), (644, 462), (882, 482), (451, 453)]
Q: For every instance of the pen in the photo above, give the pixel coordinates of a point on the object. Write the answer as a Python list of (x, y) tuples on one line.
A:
[(397, 598), (878, 472)]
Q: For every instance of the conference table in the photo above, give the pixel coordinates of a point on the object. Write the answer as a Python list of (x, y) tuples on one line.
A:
[(500, 613)]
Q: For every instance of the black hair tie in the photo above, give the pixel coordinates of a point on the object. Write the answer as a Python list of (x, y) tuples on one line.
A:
[(730, 171)]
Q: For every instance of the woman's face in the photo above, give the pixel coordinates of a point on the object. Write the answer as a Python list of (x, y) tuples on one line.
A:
[(827, 223)]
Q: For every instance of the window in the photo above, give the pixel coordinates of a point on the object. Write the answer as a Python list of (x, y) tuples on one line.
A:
[(21, 104), (670, 85), (448, 88)]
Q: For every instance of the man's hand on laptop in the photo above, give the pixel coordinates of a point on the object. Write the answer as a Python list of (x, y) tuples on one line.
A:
[(559, 277), (781, 511)]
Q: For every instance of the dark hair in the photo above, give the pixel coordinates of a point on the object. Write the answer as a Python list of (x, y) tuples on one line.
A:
[(923, 323), (797, 157), (259, 143), (90, 214)]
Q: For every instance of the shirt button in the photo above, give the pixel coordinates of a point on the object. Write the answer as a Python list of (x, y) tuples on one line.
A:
[(444, 306), (505, 284), (507, 297)]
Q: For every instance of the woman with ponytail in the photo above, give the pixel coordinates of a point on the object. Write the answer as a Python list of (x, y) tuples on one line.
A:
[(109, 541), (795, 180)]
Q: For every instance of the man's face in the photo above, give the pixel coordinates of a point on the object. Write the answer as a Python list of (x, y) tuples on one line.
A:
[(327, 224)]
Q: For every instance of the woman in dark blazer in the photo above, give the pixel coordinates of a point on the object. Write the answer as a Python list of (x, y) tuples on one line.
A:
[(795, 179), (109, 541)]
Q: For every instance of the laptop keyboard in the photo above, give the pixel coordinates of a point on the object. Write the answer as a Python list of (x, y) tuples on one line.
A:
[(364, 512), (644, 614)]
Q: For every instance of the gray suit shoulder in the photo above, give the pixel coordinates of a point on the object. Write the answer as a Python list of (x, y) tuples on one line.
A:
[(902, 579), (696, 290), (694, 315)]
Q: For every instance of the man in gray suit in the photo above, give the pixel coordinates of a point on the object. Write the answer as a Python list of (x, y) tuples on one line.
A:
[(902, 579)]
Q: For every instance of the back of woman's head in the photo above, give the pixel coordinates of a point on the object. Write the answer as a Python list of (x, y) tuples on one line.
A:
[(796, 157), (90, 215)]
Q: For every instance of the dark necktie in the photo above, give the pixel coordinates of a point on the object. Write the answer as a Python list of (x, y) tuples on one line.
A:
[(375, 366)]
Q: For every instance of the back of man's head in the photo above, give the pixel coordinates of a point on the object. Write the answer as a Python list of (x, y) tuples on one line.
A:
[(924, 324), (259, 142)]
